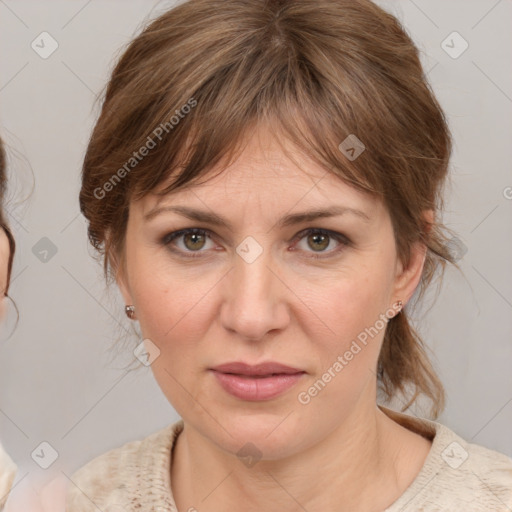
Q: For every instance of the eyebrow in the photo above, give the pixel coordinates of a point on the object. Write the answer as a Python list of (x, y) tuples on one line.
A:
[(287, 220)]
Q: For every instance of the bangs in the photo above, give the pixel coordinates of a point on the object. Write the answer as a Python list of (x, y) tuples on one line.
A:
[(211, 128)]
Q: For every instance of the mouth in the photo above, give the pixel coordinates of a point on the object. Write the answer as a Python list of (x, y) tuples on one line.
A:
[(256, 382), (267, 369)]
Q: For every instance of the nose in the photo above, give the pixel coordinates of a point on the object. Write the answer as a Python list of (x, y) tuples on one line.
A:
[(255, 296)]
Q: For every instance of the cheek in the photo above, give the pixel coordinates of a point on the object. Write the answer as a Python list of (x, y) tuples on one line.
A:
[(346, 320), (174, 308), (170, 308), (350, 302), (175, 313)]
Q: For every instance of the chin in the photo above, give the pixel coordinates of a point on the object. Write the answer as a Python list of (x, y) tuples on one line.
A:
[(259, 435)]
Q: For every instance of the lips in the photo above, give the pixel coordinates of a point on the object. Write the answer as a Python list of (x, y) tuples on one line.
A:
[(259, 370), (259, 382)]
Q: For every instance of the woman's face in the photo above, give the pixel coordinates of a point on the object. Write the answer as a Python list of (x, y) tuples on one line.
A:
[(5, 251), (258, 289)]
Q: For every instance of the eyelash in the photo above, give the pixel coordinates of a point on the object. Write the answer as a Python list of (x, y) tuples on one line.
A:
[(342, 239)]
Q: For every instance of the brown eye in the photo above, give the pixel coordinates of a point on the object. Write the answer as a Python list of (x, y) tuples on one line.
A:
[(318, 241), (193, 241)]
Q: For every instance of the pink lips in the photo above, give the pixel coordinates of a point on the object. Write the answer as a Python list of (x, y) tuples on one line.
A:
[(259, 382)]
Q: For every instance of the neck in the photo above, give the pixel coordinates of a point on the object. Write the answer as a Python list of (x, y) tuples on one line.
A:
[(355, 467)]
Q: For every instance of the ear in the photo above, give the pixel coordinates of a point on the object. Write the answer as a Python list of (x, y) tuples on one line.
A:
[(407, 279)]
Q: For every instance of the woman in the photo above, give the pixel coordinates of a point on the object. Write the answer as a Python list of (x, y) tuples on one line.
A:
[(7, 246), (272, 320)]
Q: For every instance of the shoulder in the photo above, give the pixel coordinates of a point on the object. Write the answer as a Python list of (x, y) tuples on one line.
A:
[(467, 476), (488, 474), (457, 475), (114, 477)]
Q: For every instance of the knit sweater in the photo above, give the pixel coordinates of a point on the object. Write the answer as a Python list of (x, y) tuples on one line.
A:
[(456, 475)]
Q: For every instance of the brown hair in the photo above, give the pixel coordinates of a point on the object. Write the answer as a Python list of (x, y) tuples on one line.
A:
[(3, 221), (207, 71)]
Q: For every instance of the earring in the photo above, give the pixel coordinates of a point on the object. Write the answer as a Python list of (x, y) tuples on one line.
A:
[(399, 306), (130, 312)]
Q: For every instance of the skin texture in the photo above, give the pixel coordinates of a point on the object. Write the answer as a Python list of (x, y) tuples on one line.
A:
[(287, 307), (4, 260)]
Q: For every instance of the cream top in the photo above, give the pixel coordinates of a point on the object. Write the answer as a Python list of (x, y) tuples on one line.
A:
[(456, 475)]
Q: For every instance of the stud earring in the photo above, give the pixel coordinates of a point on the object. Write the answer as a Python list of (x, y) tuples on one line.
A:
[(130, 311)]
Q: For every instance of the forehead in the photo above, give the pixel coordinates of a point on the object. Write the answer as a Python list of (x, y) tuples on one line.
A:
[(269, 174)]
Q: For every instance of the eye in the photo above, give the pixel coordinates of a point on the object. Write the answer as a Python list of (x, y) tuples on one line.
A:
[(195, 239), (320, 239)]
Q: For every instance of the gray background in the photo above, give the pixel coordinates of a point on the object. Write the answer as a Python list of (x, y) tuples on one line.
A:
[(61, 382)]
